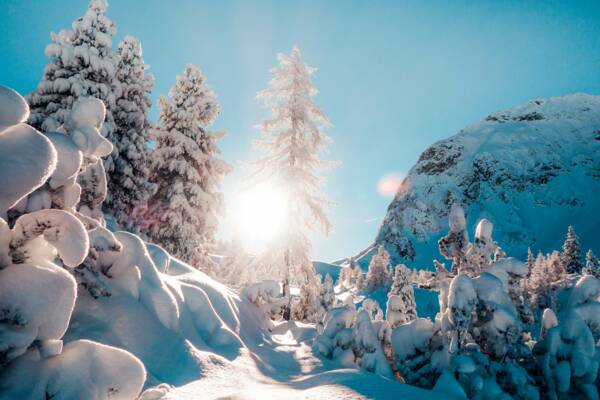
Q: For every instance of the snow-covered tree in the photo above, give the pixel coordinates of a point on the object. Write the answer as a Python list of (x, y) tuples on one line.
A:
[(358, 278), (367, 348), (307, 306), (482, 251), (540, 285), (377, 275), (183, 213), (401, 305), (454, 245), (571, 254), (327, 293), (592, 265), (83, 65), (129, 185), (530, 260), (293, 137)]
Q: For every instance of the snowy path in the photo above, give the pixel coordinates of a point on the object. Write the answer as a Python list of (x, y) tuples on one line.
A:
[(287, 369)]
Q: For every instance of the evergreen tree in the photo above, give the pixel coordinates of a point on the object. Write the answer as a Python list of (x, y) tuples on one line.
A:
[(359, 278), (183, 212), (555, 267), (83, 65), (307, 306), (530, 261), (540, 285), (128, 172), (401, 303), (327, 293), (292, 139), (571, 255), (592, 265), (377, 275)]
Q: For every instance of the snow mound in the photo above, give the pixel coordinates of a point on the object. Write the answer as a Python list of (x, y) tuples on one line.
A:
[(27, 159), (13, 108), (84, 370)]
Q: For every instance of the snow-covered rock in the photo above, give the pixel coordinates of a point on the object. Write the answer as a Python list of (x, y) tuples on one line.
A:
[(542, 156)]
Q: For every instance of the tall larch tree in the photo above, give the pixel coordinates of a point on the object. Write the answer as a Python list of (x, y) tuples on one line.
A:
[(183, 213), (571, 254), (129, 185), (292, 139)]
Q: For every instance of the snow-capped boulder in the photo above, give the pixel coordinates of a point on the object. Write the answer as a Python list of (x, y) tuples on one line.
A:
[(542, 156)]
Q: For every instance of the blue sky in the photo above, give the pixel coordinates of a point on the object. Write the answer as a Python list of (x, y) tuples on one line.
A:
[(394, 76)]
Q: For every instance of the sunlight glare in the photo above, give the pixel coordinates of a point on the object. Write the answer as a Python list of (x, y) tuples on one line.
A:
[(259, 215)]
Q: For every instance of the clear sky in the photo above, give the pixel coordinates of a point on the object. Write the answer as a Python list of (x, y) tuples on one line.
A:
[(394, 76)]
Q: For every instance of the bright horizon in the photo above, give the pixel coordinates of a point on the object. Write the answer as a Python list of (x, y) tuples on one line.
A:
[(392, 77)]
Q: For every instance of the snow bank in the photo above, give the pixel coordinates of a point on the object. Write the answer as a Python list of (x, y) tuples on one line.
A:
[(13, 108), (84, 370)]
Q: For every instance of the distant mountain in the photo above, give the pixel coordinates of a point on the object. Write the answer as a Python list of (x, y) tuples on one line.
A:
[(532, 170)]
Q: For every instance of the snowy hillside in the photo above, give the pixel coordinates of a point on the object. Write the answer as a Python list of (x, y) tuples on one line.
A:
[(531, 170)]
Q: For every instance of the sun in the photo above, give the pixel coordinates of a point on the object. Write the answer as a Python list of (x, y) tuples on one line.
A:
[(259, 216)]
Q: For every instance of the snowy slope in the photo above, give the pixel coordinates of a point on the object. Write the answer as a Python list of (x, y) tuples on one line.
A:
[(532, 170)]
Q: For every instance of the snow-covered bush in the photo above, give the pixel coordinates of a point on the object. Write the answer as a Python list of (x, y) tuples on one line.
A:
[(418, 352), (566, 356), (266, 295), (367, 347), (335, 335)]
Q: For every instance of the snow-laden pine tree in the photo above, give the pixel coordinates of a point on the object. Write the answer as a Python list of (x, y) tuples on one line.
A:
[(571, 254), (327, 293), (401, 305), (293, 137), (540, 285), (129, 185), (377, 275), (358, 278), (592, 265), (82, 65), (183, 213)]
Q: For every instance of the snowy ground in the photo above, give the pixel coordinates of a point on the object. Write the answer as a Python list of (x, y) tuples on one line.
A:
[(285, 367)]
